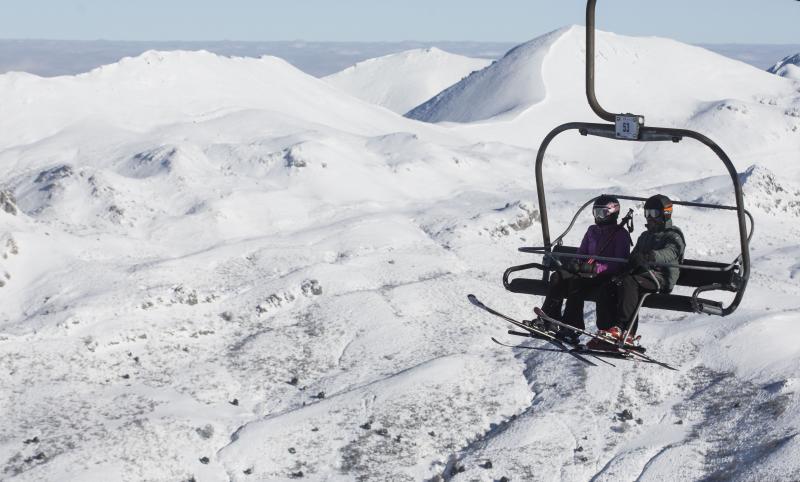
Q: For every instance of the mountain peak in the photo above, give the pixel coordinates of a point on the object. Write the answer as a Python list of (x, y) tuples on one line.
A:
[(633, 74)]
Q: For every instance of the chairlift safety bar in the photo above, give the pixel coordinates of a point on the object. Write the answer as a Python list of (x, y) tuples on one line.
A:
[(543, 250), (560, 238)]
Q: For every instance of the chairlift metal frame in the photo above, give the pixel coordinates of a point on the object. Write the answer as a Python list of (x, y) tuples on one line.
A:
[(631, 128)]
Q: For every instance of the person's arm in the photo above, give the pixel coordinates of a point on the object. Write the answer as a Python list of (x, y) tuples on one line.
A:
[(639, 243), (625, 249), (636, 258), (573, 264), (622, 248), (584, 247)]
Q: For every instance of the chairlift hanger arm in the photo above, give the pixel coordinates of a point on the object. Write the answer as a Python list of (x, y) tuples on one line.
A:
[(590, 94)]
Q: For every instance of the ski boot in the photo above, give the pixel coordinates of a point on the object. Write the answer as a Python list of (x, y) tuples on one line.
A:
[(611, 339), (539, 324)]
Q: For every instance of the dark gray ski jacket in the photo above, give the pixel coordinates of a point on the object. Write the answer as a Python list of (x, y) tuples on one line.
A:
[(665, 246)]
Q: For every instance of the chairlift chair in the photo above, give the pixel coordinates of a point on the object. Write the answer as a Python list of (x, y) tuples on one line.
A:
[(704, 276)]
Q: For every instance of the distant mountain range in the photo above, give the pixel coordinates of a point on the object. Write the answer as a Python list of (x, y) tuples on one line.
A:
[(63, 57)]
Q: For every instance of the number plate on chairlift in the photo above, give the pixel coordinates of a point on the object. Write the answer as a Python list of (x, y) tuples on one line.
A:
[(627, 126)]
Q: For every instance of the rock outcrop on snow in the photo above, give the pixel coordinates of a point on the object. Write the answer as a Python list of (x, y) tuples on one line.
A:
[(788, 67), (763, 190), (8, 203)]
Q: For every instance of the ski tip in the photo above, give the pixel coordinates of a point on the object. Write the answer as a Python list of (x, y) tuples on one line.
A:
[(473, 299)]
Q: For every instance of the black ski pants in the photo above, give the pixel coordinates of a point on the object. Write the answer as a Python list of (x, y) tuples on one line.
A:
[(575, 289), (628, 289)]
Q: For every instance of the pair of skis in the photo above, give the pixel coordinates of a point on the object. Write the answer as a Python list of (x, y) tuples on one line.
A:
[(577, 350)]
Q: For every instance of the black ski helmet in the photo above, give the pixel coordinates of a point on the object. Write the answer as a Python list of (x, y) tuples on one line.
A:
[(605, 209), (658, 207)]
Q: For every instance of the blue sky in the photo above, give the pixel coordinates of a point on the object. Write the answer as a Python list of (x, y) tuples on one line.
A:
[(698, 21)]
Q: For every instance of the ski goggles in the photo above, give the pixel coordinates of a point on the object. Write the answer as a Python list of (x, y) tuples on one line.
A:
[(602, 212), (657, 213)]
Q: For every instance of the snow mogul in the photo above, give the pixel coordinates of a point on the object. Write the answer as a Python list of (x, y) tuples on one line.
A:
[(661, 244), (576, 278)]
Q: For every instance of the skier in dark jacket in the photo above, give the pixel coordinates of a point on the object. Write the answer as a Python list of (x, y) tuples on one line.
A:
[(662, 243), (577, 277)]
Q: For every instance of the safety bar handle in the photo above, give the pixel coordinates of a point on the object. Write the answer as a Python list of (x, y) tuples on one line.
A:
[(522, 267), (700, 307)]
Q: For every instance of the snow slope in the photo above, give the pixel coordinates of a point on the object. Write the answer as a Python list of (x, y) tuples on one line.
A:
[(404, 80), (224, 269), (789, 67)]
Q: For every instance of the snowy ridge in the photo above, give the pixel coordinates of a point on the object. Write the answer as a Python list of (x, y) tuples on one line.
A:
[(223, 269), (404, 80), (513, 82)]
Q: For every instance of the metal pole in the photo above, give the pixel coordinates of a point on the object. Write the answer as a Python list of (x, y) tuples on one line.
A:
[(590, 95)]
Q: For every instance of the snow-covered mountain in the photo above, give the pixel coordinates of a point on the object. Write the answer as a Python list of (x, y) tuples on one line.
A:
[(670, 83), (637, 73), (219, 268), (164, 88), (404, 80), (788, 67)]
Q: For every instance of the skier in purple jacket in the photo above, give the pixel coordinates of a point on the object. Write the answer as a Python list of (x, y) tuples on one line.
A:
[(577, 277)]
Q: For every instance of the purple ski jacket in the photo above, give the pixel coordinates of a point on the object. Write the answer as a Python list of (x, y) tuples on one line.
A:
[(608, 240)]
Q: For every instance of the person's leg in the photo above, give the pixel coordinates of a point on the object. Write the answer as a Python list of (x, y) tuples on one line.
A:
[(606, 304), (627, 300), (629, 291), (556, 292), (577, 290)]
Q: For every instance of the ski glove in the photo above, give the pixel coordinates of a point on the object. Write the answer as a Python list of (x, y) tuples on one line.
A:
[(587, 270), (572, 265)]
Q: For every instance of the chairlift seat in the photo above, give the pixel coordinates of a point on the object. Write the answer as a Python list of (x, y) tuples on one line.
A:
[(658, 301)]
